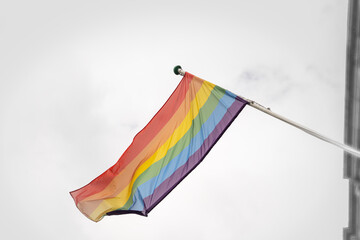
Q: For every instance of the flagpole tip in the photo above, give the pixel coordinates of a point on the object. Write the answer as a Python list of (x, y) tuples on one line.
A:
[(178, 70)]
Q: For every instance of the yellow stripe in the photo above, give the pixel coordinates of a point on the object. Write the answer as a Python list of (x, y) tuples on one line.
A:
[(119, 201)]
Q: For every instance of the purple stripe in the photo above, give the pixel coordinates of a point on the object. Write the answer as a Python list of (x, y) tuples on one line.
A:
[(171, 182)]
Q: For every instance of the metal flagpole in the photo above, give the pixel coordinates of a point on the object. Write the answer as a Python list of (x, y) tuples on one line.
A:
[(179, 71)]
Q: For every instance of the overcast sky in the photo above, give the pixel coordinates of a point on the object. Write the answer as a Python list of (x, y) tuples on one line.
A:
[(78, 80)]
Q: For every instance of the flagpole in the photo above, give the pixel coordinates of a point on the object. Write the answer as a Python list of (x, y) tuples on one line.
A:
[(179, 71)]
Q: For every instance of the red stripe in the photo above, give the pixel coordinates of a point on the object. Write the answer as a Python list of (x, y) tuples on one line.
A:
[(140, 141)]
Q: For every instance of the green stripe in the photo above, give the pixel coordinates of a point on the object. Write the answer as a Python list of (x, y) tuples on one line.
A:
[(204, 113)]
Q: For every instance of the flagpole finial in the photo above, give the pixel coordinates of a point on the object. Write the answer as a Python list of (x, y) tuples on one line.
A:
[(178, 70)]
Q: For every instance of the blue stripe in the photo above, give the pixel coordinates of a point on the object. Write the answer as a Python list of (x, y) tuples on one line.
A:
[(147, 188)]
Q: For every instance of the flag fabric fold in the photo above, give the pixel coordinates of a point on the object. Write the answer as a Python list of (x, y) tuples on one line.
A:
[(164, 152)]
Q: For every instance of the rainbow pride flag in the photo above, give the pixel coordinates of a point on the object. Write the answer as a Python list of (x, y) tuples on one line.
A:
[(163, 153)]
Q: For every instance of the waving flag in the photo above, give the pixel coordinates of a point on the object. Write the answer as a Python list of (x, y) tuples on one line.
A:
[(162, 154)]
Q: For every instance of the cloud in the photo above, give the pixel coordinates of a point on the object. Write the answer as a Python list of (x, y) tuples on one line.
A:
[(267, 82)]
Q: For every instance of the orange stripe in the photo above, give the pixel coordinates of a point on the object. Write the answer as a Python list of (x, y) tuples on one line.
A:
[(141, 140)]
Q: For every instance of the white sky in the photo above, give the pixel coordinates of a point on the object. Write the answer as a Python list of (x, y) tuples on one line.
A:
[(78, 80)]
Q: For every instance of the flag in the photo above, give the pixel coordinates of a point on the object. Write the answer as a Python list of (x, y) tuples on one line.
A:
[(164, 152)]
